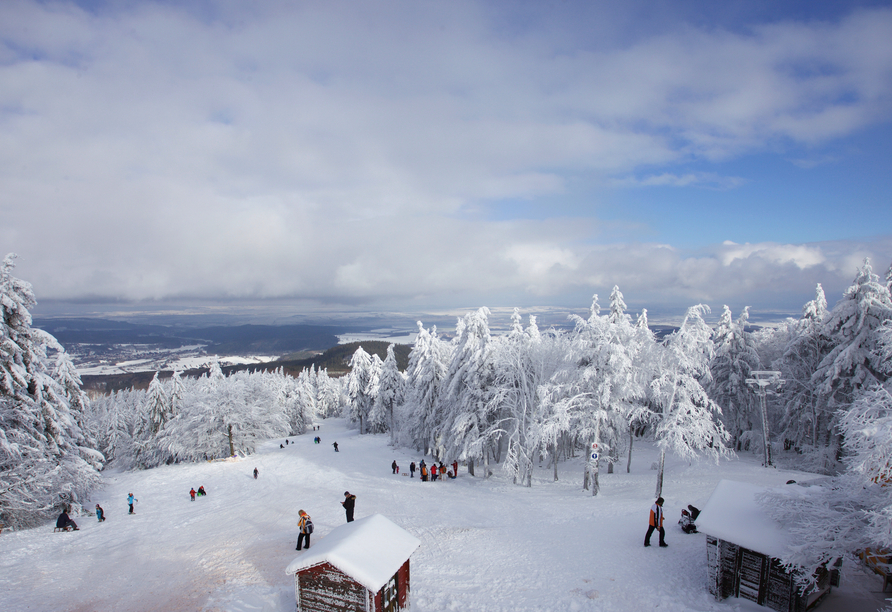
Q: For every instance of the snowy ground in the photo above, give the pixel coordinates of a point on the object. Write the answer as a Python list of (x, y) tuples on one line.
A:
[(486, 544)]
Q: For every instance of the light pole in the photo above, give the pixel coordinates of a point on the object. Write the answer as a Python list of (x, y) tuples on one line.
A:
[(763, 383)]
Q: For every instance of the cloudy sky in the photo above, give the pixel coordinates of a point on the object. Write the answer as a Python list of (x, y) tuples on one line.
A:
[(419, 154)]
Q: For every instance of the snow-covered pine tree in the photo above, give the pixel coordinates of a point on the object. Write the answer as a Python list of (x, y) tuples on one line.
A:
[(428, 363), (685, 419), (391, 383), (41, 466), (852, 363), (176, 393), (377, 422), (469, 429), (734, 359), (357, 388), (803, 418), (156, 405)]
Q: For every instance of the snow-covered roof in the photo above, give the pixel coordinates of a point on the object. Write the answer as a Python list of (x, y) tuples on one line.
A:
[(370, 550), (733, 514)]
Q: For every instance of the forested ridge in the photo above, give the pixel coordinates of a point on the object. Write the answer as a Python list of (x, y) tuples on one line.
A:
[(504, 402)]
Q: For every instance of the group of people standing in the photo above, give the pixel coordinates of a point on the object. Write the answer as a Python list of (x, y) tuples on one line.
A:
[(433, 472)]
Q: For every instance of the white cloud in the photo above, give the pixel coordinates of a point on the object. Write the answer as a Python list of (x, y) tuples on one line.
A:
[(330, 150)]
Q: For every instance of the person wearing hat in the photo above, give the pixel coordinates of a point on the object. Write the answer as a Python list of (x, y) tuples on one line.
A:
[(100, 513), (306, 528), (349, 503), (656, 522)]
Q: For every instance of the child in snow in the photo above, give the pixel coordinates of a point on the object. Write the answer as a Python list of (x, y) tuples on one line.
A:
[(336, 447), (201, 491), (192, 493), (255, 473), (130, 501), (394, 467), (100, 513), (306, 528), (687, 519)]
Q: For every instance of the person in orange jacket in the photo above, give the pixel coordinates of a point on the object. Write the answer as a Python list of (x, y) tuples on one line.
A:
[(656, 522), (305, 524)]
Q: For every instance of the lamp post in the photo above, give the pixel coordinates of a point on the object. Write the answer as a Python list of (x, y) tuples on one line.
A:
[(763, 383)]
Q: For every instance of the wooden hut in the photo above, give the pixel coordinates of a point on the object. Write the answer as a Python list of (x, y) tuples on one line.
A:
[(359, 566), (743, 547)]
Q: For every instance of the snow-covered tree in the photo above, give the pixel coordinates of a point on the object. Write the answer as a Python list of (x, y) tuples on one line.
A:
[(41, 462), (391, 385), (805, 347), (602, 384), (469, 428), (852, 363), (358, 388), (734, 359), (685, 419), (156, 405), (524, 360), (428, 364)]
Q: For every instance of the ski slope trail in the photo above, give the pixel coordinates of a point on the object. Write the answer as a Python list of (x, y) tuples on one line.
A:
[(487, 544)]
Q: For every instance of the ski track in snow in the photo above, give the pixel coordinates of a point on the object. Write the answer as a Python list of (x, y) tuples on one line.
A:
[(486, 545)]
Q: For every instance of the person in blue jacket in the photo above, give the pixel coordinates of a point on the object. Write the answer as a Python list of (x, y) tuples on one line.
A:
[(130, 501), (100, 513)]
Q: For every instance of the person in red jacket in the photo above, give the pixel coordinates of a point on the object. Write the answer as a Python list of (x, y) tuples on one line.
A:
[(656, 522)]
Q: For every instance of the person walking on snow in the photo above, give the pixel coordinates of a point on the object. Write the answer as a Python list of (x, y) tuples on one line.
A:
[(434, 473), (349, 503), (192, 493), (412, 470), (255, 473), (656, 522), (454, 468), (100, 513), (306, 528), (130, 501), (335, 447), (393, 466)]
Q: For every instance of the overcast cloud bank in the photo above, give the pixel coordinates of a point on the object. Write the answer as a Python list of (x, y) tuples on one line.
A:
[(409, 155)]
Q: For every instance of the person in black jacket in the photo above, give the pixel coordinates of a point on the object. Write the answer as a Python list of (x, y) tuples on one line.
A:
[(64, 522), (349, 503)]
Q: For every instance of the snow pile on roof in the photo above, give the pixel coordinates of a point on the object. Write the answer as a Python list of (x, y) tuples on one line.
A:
[(370, 550), (733, 514)]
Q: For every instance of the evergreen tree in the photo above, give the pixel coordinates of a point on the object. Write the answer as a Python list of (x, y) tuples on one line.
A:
[(852, 363), (467, 431), (734, 359), (803, 418), (391, 385), (358, 388), (41, 465)]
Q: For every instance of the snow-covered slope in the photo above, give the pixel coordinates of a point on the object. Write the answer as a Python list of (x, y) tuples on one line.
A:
[(485, 544)]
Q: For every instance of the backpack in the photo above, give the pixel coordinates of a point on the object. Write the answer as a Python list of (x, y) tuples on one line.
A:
[(308, 526)]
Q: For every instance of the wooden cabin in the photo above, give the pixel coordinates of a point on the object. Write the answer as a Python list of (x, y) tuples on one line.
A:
[(743, 548), (359, 566)]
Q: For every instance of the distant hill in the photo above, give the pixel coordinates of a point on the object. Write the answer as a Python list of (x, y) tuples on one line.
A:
[(222, 340), (336, 360)]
